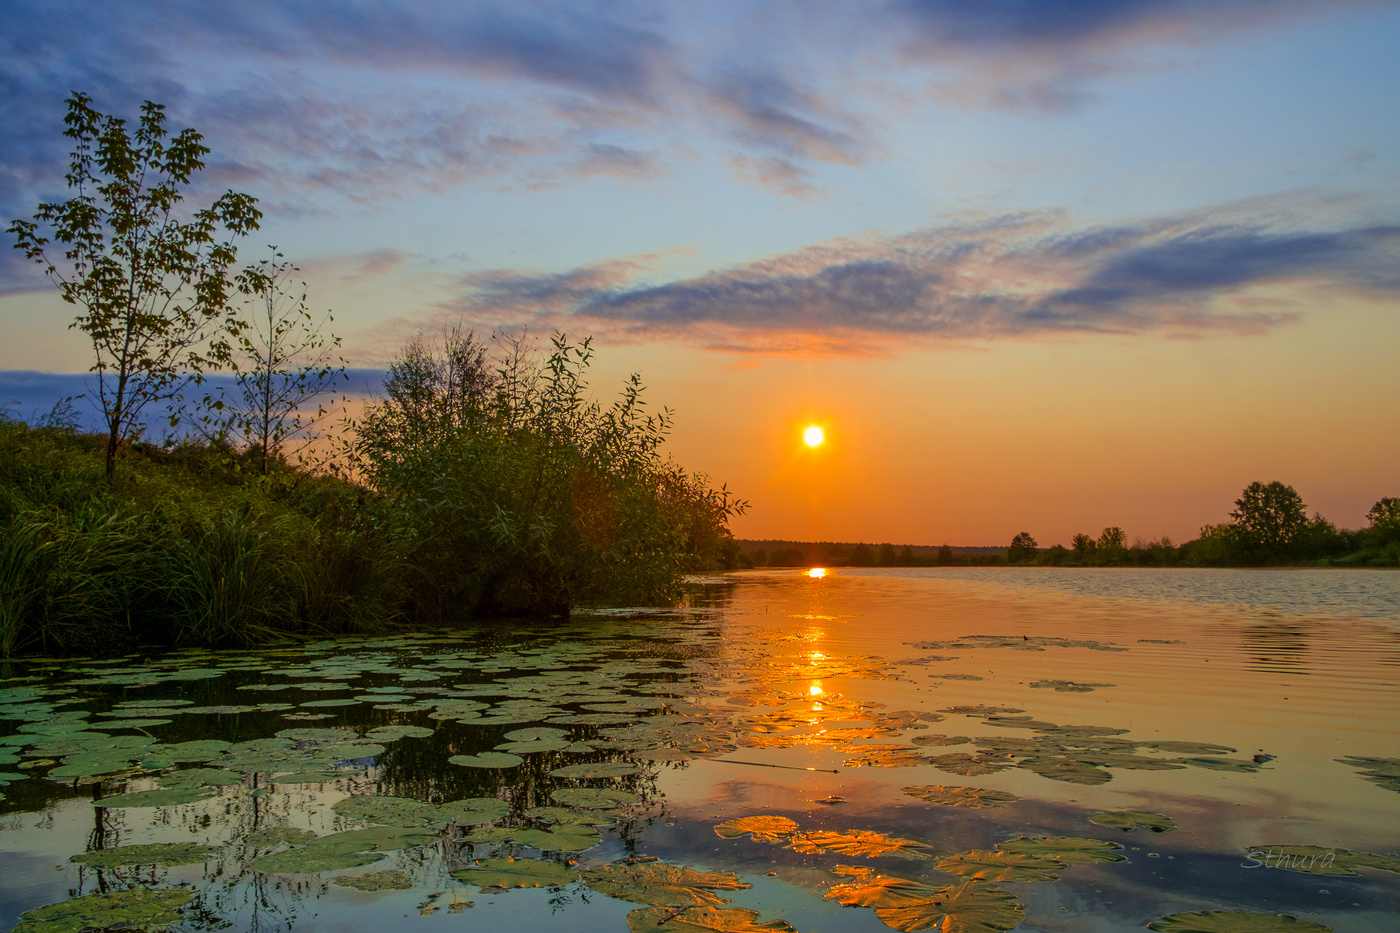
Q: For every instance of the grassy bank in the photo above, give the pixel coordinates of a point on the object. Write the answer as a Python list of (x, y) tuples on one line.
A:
[(183, 547), (193, 546)]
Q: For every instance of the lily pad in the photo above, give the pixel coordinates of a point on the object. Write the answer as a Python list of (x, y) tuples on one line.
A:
[(597, 769), (473, 810), (961, 796), (702, 920), (859, 843), (311, 860), (198, 751), (135, 723), (969, 765), (1128, 820), (536, 734), (760, 828), (487, 760), (1222, 764), (157, 798), (909, 906), (1383, 772), (136, 909), (398, 811), (516, 873), (590, 719), (392, 880), (986, 865), (158, 853), (1072, 850), (568, 837), (940, 740), (196, 777), (493, 836), (390, 733), (1067, 686), (1069, 770), (1234, 921), (276, 835), (594, 798), (343, 850), (311, 777), (565, 815), (662, 884)]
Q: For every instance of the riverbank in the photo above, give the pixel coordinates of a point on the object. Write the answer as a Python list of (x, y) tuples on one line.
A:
[(194, 546)]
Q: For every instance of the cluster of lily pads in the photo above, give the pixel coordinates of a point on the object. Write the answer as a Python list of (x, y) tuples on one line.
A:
[(974, 898), (571, 726)]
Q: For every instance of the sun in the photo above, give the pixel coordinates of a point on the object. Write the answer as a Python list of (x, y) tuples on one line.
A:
[(814, 436)]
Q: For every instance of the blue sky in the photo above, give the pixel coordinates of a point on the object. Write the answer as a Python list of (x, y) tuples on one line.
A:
[(798, 188)]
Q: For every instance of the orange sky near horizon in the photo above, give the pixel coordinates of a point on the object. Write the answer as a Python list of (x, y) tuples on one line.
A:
[(970, 445), (1033, 267)]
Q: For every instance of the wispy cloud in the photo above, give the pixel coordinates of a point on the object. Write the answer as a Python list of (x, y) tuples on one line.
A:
[(1026, 276), (1046, 56), (314, 104)]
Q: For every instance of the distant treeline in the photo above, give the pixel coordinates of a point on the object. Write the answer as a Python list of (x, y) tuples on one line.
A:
[(1268, 527)]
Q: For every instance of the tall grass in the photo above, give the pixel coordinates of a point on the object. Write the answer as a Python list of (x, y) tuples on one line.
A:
[(228, 582), (63, 586), (182, 547)]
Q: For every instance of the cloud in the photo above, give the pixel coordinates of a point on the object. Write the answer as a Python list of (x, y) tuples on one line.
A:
[(576, 47), (1023, 276), (770, 113), (356, 268), (1045, 54), (617, 161), (315, 103)]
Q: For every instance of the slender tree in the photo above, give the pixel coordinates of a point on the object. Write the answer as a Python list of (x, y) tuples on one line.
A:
[(285, 369), (153, 289)]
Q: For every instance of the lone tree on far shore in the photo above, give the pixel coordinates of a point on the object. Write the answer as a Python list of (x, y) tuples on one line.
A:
[(1022, 548)]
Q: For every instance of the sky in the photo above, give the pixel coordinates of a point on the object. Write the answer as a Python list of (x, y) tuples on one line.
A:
[(1034, 265)]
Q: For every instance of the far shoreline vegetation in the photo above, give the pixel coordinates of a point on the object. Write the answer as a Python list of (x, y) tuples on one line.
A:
[(1269, 527)]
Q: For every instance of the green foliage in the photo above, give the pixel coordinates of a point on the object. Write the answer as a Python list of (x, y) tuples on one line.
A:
[(181, 547), (153, 290), (1112, 538), (284, 371), (1268, 521), (523, 495), (1022, 549), (1384, 531)]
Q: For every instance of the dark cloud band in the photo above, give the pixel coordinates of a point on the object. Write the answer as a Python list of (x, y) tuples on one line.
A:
[(1016, 276)]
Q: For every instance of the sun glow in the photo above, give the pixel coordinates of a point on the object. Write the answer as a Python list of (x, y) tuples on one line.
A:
[(813, 436), (816, 573)]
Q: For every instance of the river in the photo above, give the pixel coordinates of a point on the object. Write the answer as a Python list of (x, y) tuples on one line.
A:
[(1042, 750)]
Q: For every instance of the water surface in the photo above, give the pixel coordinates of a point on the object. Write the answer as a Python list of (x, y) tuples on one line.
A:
[(1252, 723)]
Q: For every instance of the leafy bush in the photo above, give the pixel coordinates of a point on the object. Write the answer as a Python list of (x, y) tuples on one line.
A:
[(523, 495)]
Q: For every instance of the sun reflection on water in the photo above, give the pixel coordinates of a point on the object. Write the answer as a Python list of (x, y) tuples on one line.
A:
[(816, 573)]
